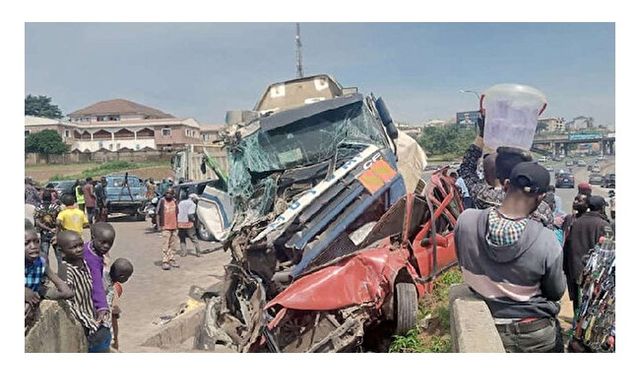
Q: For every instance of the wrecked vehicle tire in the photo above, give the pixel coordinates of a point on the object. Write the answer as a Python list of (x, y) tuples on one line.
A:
[(406, 308)]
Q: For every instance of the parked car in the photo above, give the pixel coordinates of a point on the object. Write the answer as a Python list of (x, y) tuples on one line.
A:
[(568, 163), (565, 180), (542, 159), (126, 195), (609, 181), (596, 179), (214, 210), (557, 158), (63, 186), (595, 169), (582, 163)]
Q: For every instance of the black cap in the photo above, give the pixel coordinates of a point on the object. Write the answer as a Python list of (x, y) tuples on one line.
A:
[(530, 177), (596, 203)]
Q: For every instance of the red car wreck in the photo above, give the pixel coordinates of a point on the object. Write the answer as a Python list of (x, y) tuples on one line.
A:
[(327, 246), (330, 309)]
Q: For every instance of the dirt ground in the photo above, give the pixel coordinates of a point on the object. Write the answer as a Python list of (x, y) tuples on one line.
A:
[(43, 173), (152, 292)]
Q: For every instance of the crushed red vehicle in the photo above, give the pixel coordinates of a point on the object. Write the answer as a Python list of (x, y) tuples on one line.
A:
[(327, 245)]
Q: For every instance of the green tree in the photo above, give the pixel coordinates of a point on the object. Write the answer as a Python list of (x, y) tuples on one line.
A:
[(542, 126), (47, 142), (452, 139), (41, 106)]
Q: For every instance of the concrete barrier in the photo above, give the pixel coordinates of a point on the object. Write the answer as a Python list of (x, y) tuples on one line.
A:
[(55, 331), (472, 327), (178, 330)]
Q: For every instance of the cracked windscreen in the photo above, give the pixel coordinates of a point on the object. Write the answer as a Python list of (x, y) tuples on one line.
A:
[(336, 133)]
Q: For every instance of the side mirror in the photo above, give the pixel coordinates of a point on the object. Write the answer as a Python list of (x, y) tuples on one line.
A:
[(385, 117)]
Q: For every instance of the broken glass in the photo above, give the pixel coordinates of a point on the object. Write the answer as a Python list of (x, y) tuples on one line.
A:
[(301, 143)]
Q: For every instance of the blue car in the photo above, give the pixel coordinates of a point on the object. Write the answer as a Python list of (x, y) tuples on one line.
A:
[(126, 195)]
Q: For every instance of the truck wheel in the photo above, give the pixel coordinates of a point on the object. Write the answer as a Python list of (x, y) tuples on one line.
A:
[(203, 233), (406, 307)]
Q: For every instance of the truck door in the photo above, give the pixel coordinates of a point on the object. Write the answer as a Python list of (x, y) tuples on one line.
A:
[(215, 211)]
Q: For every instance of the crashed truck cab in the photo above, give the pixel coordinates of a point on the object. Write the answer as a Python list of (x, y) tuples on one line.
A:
[(312, 170)]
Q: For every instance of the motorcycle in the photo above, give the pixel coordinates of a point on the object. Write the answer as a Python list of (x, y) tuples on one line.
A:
[(150, 210)]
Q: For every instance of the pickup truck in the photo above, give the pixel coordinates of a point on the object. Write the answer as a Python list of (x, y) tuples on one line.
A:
[(126, 195)]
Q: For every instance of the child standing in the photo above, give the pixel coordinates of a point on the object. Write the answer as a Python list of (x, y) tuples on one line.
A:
[(45, 220), (121, 270), (167, 217), (76, 272), (71, 218), (102, 237)]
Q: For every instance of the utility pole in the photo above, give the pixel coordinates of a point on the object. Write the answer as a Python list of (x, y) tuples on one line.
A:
[(299, 51)]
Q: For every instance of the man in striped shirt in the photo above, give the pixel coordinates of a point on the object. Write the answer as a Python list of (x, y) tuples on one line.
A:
[(76, 273)]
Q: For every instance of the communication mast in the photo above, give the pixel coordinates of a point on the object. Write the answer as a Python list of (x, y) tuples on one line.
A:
[(299, 51)]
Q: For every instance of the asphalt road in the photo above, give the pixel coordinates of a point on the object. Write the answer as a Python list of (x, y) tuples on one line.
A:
[(581, 174)]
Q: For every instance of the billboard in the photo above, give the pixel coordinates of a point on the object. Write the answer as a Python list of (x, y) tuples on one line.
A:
[(467, 118), (584, 136)]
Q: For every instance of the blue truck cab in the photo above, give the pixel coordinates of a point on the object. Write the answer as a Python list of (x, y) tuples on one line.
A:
[(126, 195)]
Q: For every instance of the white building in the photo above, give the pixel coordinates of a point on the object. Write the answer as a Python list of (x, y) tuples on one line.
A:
[(120, 125)]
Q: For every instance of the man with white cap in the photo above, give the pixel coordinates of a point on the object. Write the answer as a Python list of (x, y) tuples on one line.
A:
[(186, 220)]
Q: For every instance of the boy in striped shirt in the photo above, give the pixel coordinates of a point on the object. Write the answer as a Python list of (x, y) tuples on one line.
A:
[(76, 272)]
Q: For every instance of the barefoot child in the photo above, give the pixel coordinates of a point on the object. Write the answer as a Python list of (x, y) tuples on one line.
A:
[(121, 270)]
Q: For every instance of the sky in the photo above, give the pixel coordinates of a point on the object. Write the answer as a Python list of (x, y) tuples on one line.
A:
[(201, 70)]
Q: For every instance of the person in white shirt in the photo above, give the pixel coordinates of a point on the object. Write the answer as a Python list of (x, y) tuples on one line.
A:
[(466, 197), (186, 227)]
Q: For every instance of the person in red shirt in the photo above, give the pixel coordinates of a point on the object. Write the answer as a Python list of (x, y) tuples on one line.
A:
[(168, 222), (89, 199)]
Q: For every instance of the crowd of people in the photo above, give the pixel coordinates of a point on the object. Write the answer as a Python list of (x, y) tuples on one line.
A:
[(86, 280), (516, 248)]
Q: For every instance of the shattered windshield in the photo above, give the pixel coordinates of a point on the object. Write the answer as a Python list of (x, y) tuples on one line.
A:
[(304, 142)]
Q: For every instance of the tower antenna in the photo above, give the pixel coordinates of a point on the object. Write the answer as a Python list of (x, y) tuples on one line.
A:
[(299, 52)]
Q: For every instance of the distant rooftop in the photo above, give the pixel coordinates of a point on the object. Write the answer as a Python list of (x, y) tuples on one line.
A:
[(36, 121), (120, 107)]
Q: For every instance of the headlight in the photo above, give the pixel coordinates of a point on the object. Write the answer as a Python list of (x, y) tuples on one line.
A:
[(154, 200)]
